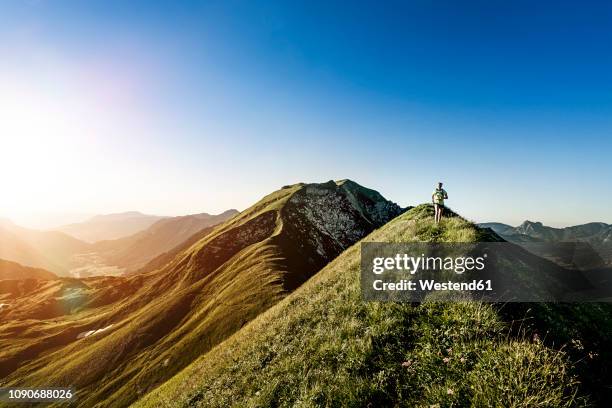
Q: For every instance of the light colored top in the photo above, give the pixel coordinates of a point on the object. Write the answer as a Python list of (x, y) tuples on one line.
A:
[(439, 195)]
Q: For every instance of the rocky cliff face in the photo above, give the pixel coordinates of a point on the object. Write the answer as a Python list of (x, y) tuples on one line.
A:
[(322, 220), (308, 227)]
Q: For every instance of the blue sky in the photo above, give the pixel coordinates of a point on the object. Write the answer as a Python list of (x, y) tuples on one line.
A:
[(179, 107)]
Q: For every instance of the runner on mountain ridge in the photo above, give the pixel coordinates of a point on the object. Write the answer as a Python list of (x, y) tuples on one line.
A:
[(437, 198)]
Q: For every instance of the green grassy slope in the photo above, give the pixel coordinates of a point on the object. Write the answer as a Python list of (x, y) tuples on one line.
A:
[(160, 319), (166, 257), (323, 346), (163, 320)]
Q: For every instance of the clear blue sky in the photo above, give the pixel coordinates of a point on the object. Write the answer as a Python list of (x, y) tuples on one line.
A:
[(188, 107)]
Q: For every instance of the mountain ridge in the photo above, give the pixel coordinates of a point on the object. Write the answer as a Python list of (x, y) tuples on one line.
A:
[(50, 250), (323, 346), (135, 251), (162, 319), (14, 271), (596, 234)]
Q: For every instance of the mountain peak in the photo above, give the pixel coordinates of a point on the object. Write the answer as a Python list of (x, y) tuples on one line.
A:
[(528, 227), (345, 181)]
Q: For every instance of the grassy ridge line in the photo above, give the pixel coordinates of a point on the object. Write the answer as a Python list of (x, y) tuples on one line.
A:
[(205, 294), (141, 322), (323, 346), (215, 297), (271, 202)]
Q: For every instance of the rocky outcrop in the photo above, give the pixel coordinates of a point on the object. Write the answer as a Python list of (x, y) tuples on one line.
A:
[(322, 220)]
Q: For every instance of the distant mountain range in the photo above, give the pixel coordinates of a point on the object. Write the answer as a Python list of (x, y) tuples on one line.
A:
[(116, 338), (596, 234), (596, 231), (65, 255), (135, 251), (110, 226), (14, 271), (51, 250)]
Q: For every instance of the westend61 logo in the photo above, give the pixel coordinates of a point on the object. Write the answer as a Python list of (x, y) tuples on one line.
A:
[(411, 264), (484, 271)]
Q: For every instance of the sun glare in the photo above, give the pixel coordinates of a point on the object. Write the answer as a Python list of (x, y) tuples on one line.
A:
[(40, 137)]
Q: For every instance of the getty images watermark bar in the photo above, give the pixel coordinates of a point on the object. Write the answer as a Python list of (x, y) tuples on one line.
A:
[(484, 271)]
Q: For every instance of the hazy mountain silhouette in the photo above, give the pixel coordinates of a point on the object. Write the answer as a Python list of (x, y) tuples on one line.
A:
[(135, 251), (110, 226), (15, 271), (51, 250)]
